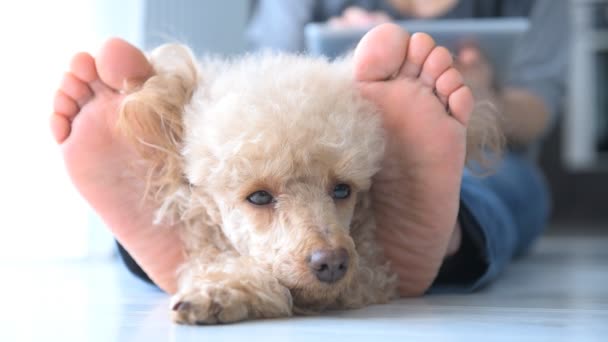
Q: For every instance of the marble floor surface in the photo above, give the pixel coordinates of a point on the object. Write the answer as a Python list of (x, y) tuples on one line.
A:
[(557, 293)]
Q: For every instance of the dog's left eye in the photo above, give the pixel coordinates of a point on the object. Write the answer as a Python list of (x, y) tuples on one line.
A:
[(341, 191), (260, 197)]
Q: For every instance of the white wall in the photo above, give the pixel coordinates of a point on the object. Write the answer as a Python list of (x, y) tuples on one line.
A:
[(41, 214)]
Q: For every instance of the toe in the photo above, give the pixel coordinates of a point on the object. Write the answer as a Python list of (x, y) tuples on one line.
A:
[(420, 47), (83, 67), (65, 105), (449, 81), (461, 103), (438, 61), (120, 64), (60, 127), (76, 89), (380, 53)]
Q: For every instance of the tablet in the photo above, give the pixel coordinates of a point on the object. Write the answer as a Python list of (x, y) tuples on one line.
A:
[(495, 37)]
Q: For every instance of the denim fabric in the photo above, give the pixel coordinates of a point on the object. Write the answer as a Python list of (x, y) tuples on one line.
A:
[(501, 217)]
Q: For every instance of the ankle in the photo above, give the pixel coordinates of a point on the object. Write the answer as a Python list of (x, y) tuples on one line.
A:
[(159, 255), (455, 240)]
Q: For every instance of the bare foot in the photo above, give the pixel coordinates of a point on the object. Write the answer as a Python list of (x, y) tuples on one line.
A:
[(98, 160), (416, 194)]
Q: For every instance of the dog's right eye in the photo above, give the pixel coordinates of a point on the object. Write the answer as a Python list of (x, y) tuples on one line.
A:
[(260, 198)]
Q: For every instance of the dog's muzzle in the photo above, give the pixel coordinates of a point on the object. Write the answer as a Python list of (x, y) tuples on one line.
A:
[(329, 265)]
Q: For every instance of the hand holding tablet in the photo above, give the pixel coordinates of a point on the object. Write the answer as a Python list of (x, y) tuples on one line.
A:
[(495, 38)]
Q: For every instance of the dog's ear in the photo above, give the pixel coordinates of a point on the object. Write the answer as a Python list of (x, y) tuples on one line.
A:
[(485, 138), (151, 116)]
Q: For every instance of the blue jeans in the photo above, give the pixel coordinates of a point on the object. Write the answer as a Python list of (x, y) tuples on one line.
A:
[(501, 216)]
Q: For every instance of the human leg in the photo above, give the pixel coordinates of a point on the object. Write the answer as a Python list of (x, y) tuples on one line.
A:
[(501, 216), (416, 194)]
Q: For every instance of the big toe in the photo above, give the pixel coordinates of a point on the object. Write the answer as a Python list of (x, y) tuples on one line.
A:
[(121, 64), (380, 53)]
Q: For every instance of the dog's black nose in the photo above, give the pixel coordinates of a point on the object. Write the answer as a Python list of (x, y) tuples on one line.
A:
[(329, 265)]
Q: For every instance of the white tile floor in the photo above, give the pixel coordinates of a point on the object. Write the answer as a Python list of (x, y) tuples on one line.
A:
[(558, 293)]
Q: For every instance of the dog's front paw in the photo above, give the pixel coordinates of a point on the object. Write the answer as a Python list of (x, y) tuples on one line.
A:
[(226, 303), (209, 305)]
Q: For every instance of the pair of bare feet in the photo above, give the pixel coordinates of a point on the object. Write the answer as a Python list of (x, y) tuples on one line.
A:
[(416, 193)]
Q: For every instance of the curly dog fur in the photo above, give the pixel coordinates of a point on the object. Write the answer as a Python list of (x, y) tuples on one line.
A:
[(290, 128)]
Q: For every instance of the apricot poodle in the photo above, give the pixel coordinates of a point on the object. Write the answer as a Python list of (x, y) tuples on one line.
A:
[(265, 162)]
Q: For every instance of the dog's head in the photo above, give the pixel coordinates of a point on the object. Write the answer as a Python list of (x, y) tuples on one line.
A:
[(283, 146)]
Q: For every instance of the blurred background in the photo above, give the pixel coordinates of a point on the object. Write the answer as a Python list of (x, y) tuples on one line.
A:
[(43, 217)]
